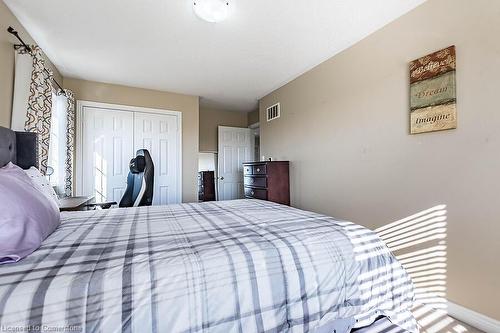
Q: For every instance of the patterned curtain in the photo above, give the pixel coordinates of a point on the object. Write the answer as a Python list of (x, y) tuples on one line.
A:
[(40, 106), (70, 142)]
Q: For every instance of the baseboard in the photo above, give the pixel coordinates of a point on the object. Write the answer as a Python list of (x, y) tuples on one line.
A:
[(473, 318)]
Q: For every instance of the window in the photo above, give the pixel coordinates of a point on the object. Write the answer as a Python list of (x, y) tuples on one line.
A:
[(57, 148)]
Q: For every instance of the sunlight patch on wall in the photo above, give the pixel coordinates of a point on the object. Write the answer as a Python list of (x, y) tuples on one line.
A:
[(419, 243)]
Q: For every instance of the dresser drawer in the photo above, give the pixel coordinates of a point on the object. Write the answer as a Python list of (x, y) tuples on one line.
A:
[(255, 193), (247, 170), (255, 181), (259, 169)]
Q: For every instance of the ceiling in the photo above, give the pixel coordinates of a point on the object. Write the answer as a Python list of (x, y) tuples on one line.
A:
[(163, 45)]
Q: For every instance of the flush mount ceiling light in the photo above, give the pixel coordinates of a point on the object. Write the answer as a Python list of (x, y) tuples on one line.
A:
[(211, 10)]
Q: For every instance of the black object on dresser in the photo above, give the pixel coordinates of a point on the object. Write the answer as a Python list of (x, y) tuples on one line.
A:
[(206, 186), (267, 181)]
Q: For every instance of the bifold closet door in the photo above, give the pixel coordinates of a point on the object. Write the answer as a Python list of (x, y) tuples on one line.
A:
[(107, 149), (110, 138), (159, 134)]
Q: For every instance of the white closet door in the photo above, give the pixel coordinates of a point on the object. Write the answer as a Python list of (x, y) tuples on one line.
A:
[(159, 135), (236, 146), (107, 150)]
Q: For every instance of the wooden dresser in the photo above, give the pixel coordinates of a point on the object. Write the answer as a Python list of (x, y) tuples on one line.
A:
[(267, 181), (206, 186)]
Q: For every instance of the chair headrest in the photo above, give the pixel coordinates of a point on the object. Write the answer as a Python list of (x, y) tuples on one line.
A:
[(137, 164)]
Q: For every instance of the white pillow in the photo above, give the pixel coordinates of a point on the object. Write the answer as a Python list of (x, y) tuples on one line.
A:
[(42, 184)]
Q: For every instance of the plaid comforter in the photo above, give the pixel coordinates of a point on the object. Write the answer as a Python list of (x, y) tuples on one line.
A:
[(235, 266)]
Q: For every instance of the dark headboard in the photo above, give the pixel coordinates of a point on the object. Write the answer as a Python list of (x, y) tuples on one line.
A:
[(19, 148)]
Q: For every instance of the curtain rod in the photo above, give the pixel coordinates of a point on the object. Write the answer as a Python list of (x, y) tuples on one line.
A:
[(28, 48)]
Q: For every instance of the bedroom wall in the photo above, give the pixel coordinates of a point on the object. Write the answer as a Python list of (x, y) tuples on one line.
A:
[(253, 117), (344, 126), (187, 104), (210, 119), (7, 42)]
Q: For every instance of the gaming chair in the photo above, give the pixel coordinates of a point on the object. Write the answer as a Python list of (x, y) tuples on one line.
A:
[(140, 181)]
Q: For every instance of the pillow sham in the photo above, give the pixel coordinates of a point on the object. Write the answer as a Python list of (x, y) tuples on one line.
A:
[(28, 216), (42, 184)]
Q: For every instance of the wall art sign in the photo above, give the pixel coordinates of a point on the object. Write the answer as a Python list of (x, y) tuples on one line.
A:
[(433, 92)]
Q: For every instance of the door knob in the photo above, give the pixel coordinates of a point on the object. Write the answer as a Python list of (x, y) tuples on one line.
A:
[(221, 178)]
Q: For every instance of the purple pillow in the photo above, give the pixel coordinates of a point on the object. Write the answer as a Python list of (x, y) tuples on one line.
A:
[(27, 216)]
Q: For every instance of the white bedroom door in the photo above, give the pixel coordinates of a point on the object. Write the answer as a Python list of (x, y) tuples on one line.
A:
[(159, 135), (110, 138), (107, 150), (236, 146)]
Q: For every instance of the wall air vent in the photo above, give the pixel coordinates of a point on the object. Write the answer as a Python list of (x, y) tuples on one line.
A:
[(273, 112)]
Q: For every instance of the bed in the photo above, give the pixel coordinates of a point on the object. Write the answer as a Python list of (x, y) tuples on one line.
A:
[(234, 266)]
